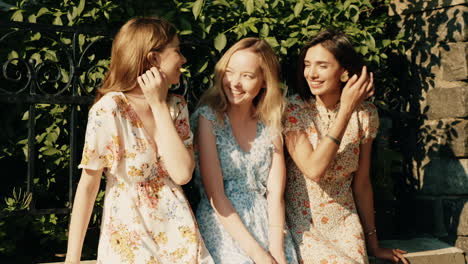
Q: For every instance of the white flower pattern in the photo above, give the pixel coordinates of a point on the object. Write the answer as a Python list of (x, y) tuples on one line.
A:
[(146, 217), (322, 216)]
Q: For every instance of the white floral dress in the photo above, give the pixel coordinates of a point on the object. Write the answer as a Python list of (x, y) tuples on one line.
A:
[(146, 217), (245, 176), (322, 216)]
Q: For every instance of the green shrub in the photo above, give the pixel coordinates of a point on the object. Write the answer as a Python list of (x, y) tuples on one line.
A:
[(208, 28)]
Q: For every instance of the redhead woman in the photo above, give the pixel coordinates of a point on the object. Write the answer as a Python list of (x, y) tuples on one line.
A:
[(241, 164), (139, 136), (329, 130)]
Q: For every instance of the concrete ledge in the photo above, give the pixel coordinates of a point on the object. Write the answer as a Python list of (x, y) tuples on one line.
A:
[(425, 251), (81, 262), (420, 251)]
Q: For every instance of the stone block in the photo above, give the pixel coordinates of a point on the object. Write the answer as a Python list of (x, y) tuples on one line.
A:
[(415, 6), (462, 243), (455, 62), (445, 176), (451, 136), (425, 251), (455, 215), (447, 103), (432, 21), (423, 215)]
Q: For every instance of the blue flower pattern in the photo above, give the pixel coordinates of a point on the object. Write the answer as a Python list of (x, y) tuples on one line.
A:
[(245, 176)]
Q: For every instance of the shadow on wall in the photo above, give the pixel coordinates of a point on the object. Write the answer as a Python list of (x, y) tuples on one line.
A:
[(424, 185)]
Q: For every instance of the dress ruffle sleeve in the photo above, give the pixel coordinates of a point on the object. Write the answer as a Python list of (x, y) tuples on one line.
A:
[(179, 111), (293, 118), (102, 140), (209, 114), (370, 122)]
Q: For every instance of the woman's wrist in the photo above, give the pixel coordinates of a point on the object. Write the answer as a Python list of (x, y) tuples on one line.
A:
[(70, 260), (258, 254), (158, 105), (345, 112)]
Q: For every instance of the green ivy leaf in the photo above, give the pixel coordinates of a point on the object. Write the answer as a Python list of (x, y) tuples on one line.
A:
[(185, 32), (203, 67), (32, 18), (25, 116), (197, 8), (221, 2), (298, 8), (42, 11), (272, 41), (249, 6), (253, 28), (386, 42), (50, 151), (80, 8), (264, 31), (220, 42), (17, 16), (371, 42), (354, 13), (57, 21), (346, 4)]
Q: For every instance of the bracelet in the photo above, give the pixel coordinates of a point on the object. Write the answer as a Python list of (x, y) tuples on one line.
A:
[(372, 232), (334, 139)]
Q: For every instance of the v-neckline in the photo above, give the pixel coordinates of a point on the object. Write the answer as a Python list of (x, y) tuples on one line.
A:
[(257, 134), (145, 131)]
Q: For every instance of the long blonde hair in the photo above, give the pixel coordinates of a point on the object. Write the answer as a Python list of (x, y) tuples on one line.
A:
[(269, 102), (130, 47)]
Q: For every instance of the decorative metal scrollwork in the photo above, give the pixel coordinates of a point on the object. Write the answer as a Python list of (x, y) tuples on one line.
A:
[(51, 61)]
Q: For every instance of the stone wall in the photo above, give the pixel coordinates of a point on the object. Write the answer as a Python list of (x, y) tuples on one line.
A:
[(437, 35)]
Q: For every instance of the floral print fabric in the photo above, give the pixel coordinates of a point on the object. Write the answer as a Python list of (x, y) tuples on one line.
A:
[(245, 176), (146, 217), (322, 216)]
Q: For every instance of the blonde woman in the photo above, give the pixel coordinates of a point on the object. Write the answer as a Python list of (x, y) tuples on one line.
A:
[(139, 136), (241, 163)]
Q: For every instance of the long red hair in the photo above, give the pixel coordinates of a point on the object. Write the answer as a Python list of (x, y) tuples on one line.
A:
[(130, 47)]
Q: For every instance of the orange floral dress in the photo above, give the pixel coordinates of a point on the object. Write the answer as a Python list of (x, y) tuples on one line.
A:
[(322, 216), (146, 217)]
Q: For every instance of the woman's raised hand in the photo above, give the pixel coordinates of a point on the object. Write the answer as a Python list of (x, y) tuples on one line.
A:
[(154, 85), (357, 90)]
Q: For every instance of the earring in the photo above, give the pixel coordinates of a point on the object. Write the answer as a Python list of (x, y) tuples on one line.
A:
[(344, 77)]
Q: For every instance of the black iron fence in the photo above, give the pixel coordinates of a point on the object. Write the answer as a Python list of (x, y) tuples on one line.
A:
[(46, 64), (58, 65)]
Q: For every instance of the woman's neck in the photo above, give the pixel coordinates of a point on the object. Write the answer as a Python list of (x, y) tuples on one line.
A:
[(329, 100), (137, 92), (241, 113)]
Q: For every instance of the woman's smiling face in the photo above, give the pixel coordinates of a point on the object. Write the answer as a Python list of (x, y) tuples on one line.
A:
[(243, 77), (322, 71)]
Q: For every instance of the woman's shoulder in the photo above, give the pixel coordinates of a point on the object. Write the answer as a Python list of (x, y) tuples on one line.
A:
[(295, 99), (207, 112), (109, 101), (367, 107), (298, 106), (176, 99)]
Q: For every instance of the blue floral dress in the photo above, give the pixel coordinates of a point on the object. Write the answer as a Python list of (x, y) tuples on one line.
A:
[(245, 176)]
